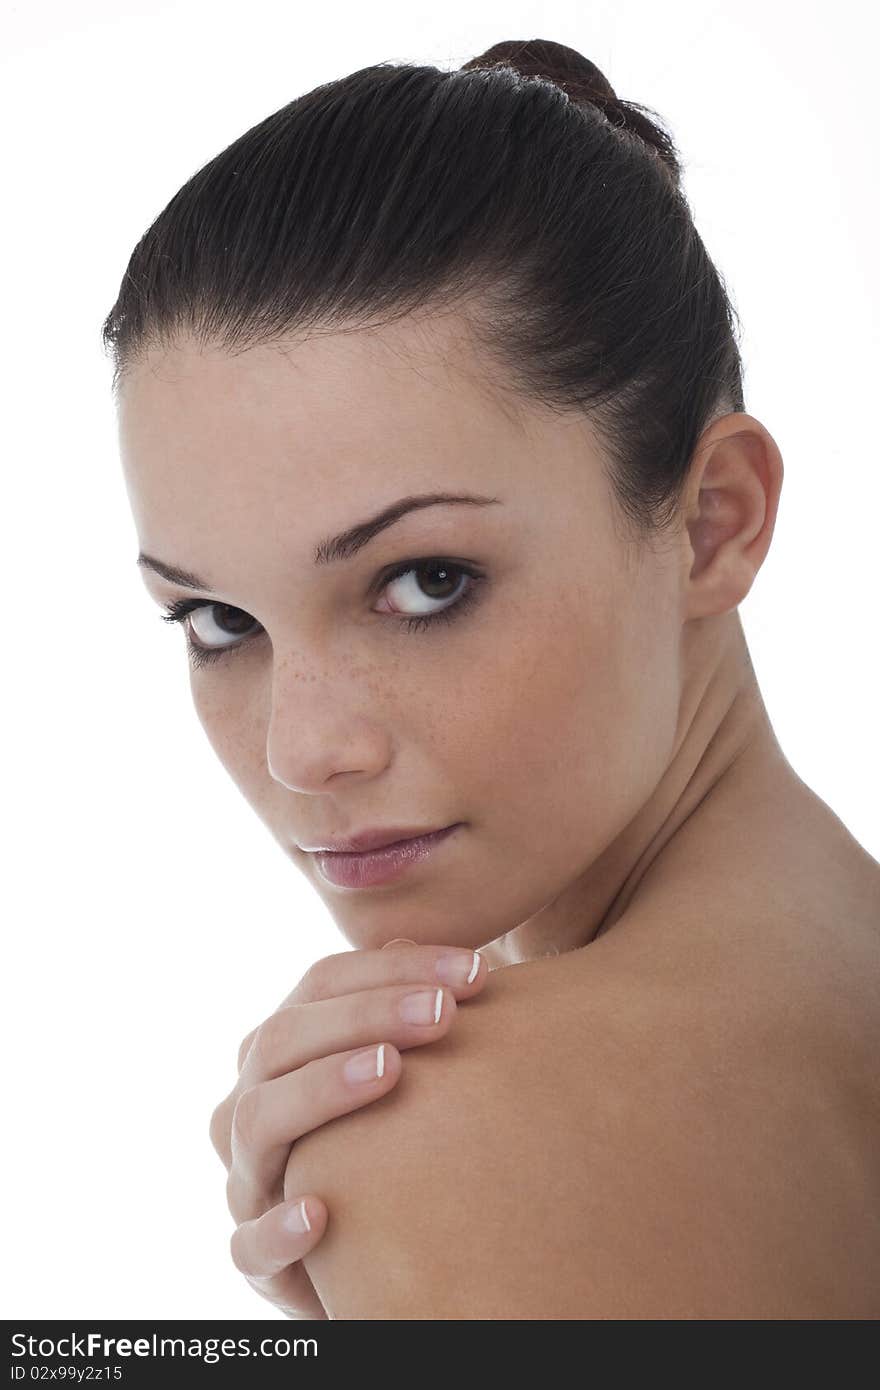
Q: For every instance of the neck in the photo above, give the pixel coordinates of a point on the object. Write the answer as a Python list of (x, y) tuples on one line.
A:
[(724, 745)]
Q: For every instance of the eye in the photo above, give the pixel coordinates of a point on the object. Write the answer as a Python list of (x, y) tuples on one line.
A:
[(415, 584), (441, 578), (212, 618)]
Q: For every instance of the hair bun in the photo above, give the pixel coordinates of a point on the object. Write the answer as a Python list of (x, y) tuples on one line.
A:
[(584, 83), (555, 62)]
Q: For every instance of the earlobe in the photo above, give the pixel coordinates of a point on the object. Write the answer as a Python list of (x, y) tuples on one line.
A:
[(731, 513)]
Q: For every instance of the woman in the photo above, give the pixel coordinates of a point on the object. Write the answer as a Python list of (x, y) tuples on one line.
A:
[(432, 422)]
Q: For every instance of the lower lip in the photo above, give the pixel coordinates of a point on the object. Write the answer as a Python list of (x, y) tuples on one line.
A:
[(378, 865)]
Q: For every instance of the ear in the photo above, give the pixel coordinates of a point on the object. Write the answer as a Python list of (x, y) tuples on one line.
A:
[(730, 505)]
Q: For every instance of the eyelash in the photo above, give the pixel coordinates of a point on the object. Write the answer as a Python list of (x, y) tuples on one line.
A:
[(178, 611)]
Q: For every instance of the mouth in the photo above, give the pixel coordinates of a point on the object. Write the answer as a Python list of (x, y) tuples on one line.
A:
[(376, 838), (366, 868)]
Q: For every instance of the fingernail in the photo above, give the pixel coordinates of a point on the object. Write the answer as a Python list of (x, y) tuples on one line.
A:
[(296, 1219), (423, 1007), (365, 1066), (458, 968)]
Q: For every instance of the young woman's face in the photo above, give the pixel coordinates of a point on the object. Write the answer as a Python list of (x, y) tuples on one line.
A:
[(538, 708)]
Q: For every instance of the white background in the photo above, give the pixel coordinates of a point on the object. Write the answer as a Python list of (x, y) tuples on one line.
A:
[(150, 919)]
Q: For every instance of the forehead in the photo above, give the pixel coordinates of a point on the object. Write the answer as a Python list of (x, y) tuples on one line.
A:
[(419, 379), (219, 448)]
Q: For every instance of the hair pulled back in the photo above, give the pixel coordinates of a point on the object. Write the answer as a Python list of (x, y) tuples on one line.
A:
[(518, 188)]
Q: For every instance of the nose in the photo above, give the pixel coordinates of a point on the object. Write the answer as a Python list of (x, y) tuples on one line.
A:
[(319, 729)]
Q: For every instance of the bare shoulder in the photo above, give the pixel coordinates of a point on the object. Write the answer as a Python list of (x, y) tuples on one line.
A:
[(730, 1107), (618, 1133)]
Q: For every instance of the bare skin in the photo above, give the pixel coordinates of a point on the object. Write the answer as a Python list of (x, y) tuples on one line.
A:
[(723, 1037), (703, 1123), (593, 721)]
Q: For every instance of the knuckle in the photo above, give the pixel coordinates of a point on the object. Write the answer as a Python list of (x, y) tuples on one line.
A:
[(315, 982), (320, 980), (218, 1129), (257, 1054), (271, 1038), (239, 1197), (233, 1193), (245, 1118), (245, 1047), (237, 1251)]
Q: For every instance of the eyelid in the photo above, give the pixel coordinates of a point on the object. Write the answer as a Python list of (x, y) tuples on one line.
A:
[(392, 572), (383, 577), (178, 610)]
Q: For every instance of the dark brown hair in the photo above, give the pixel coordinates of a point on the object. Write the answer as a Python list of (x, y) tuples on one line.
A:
[(519, 188)]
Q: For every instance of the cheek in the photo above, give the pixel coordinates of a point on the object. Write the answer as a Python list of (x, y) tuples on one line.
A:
[(572, 726), (225, 709)]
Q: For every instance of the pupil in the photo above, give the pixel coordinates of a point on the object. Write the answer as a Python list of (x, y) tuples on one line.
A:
[(443, 571), (237, 623)]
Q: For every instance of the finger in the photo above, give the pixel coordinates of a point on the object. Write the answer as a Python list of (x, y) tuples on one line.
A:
[(350, 971), (301, 1033), (261, 1248), (270, 1117), (407, 1015), (268, 1251), (347, 971), (245, 1047)]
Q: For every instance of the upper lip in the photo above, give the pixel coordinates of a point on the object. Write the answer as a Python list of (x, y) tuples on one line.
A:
[(371, 839)]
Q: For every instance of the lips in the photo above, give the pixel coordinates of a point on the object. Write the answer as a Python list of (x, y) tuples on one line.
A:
[(367, 840), (370, 868)]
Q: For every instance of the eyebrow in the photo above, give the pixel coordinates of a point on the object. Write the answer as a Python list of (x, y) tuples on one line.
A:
[(335, 548)]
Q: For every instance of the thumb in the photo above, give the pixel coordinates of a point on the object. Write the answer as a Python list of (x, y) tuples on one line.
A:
[(400, 940)]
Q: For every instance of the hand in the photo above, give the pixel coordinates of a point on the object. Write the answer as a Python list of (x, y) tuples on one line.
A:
[(291, 1080)]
